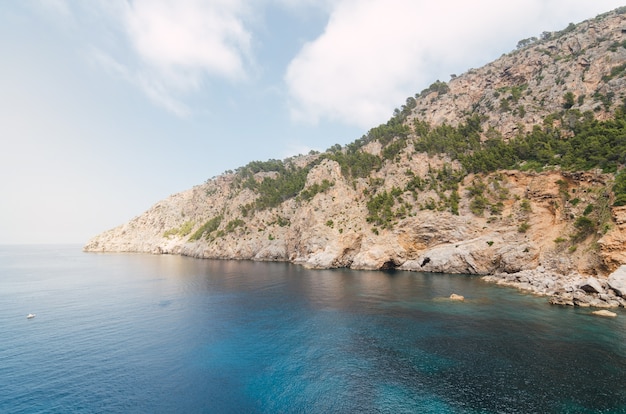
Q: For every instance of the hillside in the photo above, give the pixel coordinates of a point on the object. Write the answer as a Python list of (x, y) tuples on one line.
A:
[(515, 169)]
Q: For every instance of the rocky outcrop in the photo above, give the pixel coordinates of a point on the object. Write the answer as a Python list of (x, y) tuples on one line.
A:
[(521, 232), (617, 281), (569, 290), (612, 245), (516, 91), (592, 285), (331, 230)]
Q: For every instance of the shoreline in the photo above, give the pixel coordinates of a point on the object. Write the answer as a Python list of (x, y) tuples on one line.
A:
[(574, 290), (565, 290)]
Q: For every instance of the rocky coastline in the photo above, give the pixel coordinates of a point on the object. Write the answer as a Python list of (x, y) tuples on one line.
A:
[(395, 200), (568, 290)]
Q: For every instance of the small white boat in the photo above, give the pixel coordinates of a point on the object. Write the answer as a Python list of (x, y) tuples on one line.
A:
[(31, 315)]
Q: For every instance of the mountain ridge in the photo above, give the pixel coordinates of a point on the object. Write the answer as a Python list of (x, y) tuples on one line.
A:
[(457, 181)]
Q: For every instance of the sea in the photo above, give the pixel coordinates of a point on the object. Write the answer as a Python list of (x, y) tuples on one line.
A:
[(136, 333)]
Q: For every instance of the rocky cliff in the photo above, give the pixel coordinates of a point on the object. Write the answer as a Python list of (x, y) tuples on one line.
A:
[(389, 200)]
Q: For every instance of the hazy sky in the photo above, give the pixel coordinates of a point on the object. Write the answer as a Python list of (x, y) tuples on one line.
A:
[(108, 106)]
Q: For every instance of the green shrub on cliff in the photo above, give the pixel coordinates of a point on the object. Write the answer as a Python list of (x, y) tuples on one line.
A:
[(438, 86), (182, 231), (287, 182), (233, 224), (454, 141), (274, 191), (582, 143), (254, 167), (207, 228), (380, 208), (315, 189), (356, 163), (584, 227)]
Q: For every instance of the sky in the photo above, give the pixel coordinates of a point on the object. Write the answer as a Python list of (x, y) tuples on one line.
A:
[(108, 106)]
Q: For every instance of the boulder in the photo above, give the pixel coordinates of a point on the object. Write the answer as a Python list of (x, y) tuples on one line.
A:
[(597, 303), (473, 257), (592, 285), (564, 299), (617, 281)]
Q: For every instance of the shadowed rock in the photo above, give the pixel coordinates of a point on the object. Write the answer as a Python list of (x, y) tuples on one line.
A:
[(592, 285)]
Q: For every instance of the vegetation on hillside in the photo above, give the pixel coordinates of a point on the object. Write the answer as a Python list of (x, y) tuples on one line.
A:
[(283, 180), (207, 228), (569, 139), (181, 231)]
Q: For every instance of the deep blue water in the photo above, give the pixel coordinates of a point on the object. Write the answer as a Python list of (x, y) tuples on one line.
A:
[(124, 333)]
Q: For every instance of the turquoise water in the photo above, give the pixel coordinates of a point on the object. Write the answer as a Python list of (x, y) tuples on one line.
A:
[(160, 334)]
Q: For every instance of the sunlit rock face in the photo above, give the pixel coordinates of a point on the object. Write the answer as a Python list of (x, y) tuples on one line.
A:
[(397, 212)]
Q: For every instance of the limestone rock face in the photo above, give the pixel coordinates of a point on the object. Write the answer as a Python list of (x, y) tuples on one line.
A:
[(617, 281), (613, 244), (548, 70), (402, 213), (592, 285), (331, 229)]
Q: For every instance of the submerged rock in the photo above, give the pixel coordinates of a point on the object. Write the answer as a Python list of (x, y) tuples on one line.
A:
[(459, 298), (605, 313)]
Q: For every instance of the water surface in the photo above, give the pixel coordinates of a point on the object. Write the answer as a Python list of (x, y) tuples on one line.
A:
[(160, 334)]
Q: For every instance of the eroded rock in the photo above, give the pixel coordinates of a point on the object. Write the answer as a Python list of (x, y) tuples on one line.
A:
[(617, 281), (592, 285), (523, 245)]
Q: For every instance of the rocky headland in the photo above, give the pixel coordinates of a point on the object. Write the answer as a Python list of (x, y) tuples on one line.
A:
[(470, 176)]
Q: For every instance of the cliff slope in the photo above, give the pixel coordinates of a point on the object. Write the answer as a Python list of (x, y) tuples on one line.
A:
[(499, 171)]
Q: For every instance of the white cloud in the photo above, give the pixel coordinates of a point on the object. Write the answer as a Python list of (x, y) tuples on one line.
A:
[(181, 42), (375, 53), (370, 57), (174, 47), (189, 35)]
